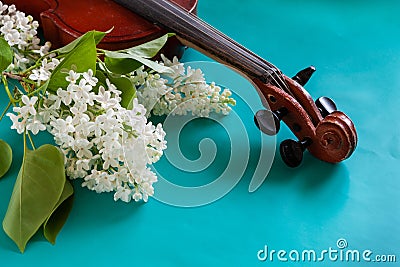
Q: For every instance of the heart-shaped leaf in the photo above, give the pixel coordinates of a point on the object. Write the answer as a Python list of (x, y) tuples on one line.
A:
[(53, 224), (5, 157), (36, 192)]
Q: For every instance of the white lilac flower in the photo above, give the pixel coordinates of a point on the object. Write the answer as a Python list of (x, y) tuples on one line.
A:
[(107, 145), (105, 99), (44, 49), (27, 117), (12, 37), (3, 7), (35, 126), (103, 143), (17, 124), (72, 77), (125, 194), (181, 92), (44, 71), (20, 32), (89, 78), (29, 105)]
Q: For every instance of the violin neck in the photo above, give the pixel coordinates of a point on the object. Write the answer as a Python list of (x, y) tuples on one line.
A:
[(196, 33)]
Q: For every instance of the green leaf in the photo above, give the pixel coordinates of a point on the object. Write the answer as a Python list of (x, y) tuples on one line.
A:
[(127, 88), (149, 49), (101, 77), (44, 86), (5, 157), (149, 63), (6, 55), (36, 192), (81, 58), (122, 83), (53, 224), (98, 36), (121, 65), (126, 64)]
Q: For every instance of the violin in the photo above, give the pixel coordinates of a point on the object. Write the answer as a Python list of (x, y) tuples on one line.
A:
[(328, 134), (325, 132)]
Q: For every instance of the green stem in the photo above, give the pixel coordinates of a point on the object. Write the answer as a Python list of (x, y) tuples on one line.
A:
[(5, 110), (28, 81), (38, 63), (24, 144), (4, 79), (37, 90), (31, 141), (30, 68)]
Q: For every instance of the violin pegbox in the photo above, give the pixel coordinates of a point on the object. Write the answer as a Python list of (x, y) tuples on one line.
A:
[(328, 134), (268, 121)]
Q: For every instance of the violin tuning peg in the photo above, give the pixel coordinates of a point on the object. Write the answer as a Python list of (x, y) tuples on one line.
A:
[(304, 75), (292, 151), (325, 105), (269, 121)]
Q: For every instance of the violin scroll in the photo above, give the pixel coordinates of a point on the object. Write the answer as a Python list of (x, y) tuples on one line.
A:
[(336, 138)]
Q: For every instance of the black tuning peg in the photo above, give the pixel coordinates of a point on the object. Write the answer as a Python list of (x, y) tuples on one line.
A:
[(303, 76), (292, 151), (269, 121), (325, 105)]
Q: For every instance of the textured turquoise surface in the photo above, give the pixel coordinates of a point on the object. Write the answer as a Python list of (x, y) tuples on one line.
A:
[(355, 46)]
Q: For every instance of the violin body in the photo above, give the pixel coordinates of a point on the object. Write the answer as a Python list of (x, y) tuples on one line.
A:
[(65, 20)]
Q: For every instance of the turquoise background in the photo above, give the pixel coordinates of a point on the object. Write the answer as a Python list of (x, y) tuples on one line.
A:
[(355, 46)]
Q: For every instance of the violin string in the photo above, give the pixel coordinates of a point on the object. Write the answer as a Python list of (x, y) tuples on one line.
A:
[(276, 74), (186, 23), (271, 70)]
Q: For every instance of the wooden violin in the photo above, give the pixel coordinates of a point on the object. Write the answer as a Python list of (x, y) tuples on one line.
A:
[(326, 133)]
